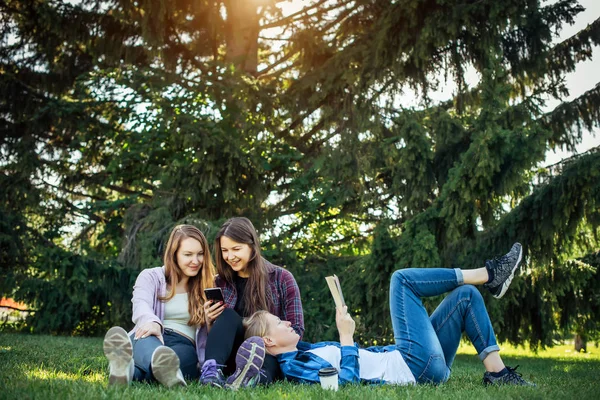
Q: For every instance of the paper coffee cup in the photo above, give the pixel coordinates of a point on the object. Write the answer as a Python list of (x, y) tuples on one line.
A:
[(329, 378)]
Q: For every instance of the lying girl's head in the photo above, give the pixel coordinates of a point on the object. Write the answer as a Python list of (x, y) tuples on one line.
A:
[(279, 336)]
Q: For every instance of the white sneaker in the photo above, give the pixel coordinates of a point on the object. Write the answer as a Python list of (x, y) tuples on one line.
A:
[(165, 367), (119, 351)]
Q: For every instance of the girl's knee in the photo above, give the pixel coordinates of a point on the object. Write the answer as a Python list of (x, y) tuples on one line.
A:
[(470, 292), (229, 320), (399, 276), (436, 371), (230, 316)]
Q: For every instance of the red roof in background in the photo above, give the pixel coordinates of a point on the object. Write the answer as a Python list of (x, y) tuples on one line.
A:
[(4, 302)]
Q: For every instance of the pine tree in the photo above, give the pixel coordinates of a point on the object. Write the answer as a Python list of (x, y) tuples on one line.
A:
[(121, 119), (457, 177)]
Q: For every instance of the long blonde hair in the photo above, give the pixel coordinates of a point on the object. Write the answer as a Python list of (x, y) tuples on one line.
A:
[(196, 284)]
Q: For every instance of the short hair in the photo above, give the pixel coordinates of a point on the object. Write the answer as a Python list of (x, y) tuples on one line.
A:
[(256, 324)]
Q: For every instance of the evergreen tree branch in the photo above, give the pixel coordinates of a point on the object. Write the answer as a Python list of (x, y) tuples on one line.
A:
[(548, 219), (298, 143), (74, 192), (274, 65), (565, 55), (582, 111), (125, 190), (17, 309)]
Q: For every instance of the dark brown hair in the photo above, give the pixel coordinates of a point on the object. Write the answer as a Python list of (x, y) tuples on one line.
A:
[(196, 284), (257, 294)]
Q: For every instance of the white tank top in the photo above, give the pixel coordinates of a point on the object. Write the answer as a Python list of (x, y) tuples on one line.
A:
[(177, 316)]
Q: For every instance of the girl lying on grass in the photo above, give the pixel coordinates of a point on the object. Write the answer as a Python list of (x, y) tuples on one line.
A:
[(425, 345)]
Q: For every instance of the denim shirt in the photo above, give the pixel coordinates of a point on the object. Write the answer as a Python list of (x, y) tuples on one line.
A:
[(303, 366)]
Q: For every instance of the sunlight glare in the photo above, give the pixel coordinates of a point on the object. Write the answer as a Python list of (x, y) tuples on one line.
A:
[(47, 375), (292, 6)]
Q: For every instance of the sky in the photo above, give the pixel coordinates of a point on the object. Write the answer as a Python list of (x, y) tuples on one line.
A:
[(585, 77)]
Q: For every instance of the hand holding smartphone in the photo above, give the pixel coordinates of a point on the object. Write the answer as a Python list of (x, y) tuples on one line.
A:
[(215, 304), (214, 294)]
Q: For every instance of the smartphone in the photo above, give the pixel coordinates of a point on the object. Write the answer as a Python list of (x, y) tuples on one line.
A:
[(215, 294)]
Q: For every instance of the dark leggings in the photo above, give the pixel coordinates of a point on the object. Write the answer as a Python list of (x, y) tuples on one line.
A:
[(224, 339)]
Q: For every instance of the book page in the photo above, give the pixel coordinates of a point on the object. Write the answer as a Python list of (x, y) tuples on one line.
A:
[(336, 290)]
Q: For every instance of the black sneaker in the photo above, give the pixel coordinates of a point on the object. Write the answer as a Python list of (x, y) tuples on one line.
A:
[(503, 269), (511, 377), (248, 362), (211, 374)]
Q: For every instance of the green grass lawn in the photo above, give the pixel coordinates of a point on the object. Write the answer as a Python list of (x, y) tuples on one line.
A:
[(46, 367)]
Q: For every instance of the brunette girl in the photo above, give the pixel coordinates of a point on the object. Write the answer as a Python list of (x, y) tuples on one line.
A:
[(249, 284)]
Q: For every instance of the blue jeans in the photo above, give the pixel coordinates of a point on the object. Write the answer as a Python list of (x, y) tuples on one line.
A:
[(183, 347), (429, 343)]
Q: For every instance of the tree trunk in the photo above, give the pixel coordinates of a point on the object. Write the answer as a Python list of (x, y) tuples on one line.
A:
[(580, 343), (242, 34)]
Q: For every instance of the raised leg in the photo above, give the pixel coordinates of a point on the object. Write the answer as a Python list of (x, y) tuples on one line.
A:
[(463, 310), (415, 336), (142, 357)]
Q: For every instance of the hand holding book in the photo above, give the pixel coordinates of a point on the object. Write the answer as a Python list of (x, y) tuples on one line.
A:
[(336, 291), (343, 320), (345, 325)]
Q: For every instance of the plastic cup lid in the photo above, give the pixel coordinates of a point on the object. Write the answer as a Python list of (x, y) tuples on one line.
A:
[(329, 371)]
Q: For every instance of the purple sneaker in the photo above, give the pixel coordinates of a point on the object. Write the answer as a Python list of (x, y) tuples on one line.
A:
[(248, 361), (211, 374)]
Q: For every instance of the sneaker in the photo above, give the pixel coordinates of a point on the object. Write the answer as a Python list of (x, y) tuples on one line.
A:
[(248, 361), (119, 351), (165, 367), (510, 377), (211, 374), (503, 270)]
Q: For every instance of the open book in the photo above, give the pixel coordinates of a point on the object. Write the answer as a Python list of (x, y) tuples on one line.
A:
[(336, 290)]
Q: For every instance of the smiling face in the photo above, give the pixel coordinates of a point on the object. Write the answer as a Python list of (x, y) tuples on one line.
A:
[(236, 255), (190, 257)]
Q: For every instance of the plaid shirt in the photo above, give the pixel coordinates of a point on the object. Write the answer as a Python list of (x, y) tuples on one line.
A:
[(303, 366), (284, 292)]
